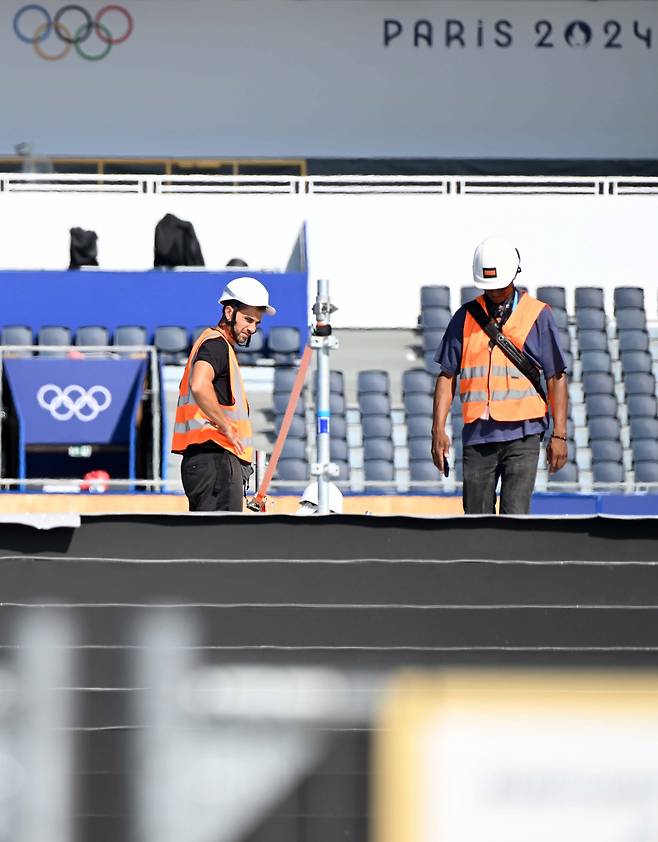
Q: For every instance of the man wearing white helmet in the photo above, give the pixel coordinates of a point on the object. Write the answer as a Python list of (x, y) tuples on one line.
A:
[(212, 429), (504, 407)]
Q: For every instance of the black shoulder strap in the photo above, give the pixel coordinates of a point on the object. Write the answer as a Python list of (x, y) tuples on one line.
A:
[(520, 359)]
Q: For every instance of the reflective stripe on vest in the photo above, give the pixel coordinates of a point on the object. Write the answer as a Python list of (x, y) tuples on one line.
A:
[(193, 427), (488, 380)]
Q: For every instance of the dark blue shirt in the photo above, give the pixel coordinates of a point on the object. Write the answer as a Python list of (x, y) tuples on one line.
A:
[(542, 345)]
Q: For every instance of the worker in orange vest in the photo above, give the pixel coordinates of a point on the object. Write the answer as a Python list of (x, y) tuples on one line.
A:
[(212, 428), (505, 412)]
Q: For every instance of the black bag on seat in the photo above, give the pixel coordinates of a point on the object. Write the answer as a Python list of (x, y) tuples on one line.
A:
[(176, 244)]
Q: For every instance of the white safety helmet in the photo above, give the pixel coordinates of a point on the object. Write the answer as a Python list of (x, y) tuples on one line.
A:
[(308, 502), (248, 291), (496, 264)]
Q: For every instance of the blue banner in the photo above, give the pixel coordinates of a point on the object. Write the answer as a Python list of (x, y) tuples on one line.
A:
[(75, 401)]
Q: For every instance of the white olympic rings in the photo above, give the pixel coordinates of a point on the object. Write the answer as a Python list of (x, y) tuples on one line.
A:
[(63, 404)]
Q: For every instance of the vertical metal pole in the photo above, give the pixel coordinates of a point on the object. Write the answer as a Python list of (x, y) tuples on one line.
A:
[(2, 408), (259, 473), (323, 341), (155, 414)]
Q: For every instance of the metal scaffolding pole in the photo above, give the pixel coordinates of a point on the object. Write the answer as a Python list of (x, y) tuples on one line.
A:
[(323, 341)]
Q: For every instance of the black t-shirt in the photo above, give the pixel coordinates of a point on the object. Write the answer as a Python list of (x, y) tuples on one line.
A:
[(215, 352)]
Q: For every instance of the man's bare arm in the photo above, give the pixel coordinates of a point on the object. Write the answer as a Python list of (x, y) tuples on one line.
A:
[(444, 392)]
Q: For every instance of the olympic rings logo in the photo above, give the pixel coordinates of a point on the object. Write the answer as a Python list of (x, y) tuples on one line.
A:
[(76, 33), (63, 404)]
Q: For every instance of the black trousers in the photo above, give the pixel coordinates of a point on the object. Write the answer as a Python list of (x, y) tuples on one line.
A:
[(513, 462), (214, 480)]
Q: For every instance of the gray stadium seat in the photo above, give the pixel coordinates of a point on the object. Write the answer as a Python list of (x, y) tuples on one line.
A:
[(297, 426), (130, 335), (419, 426), (54, 335), (601, 406), (644, 428), (633, 340), (598, 383), (595, 361), (284, 378), (645, 450), (294, 448), (589, 297), (280, 403), (338, 450), (417, 380), (565, 339), (16, 335), (606, 450), (636, 362), (435, 318), (283, 345), (641, 406), (343, 469), (592, 340), (561, 318), (631, 320), (374, 404), (378, 449), (254, 352), (336, 382), (336, 404), (431, 339), (568, 360), (646, 472), (379, 470), (420, 449), (292, 469), (640, 383), (604, 428), (588, 318), (417, 404), (629, 298), (555, 296), (608, 472), (424, 470), (95, 335), (469, 293), (338, 427), (569, 473), (434, 296), (376, 427), (373, 382), (171, 343)]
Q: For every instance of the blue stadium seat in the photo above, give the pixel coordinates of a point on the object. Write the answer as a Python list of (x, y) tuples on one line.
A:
[(171, 343), (419, 426), (17, 335), (633, 340), (631, 320), (568, 361), (336, 382), (376, 427), (254, 352), (645, 450), (592, 340), (435, 318), (636, 362), (589, 297), (130, 335), (420, 449), (469, 293), (283, 344), (280, 403), (373, 382), (644, 428), (374, 404), (338, 450), (601, 406), (595, 361), (629, 298), (646, 471), (604, 428), (569, 473), (294, 448), (608, 472), (379, 470), (640, 383), (343, 469), (417, 380), (555, 296), (434, 296), (284, 378), (565, 339), (336, 404), (297, 426), (54, 335), (338, 427), (417, 404), (424, 470), (598, 383), (431, 340), (606, 450), (95, 335), (588, 318), (561, 318), (293, 469), (378, 449), (641, 406), (431, 366)]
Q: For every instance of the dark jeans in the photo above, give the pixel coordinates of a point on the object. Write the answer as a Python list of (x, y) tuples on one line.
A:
[(514, 462), (214, 480)]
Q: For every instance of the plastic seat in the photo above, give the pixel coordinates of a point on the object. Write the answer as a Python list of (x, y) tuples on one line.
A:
[(645, 450), (631, 320), (95, 335), (469, 293), (568, 473), (280, 402), (378, 470), (374, 404), (589, 297), (432, 339), (376, 427), (336, 382), (560, 318), (249, 355), (419, 426), (336, 404), (171, 344), (297, 426), (608, 472), (633, 340), (604, 428), (598, 383), (636, 362), (54, 335), (420, 448), (435, 317), (646, 472), (16, 335), (588, 318), (416, 380), (595, 361), (424, 470), (639, 383), (294, 448), (343, 469), (606, 450), (629, 298), (417, 404), (338, 450), (434, 296), (592, 340), (644, 428), (284, 378), (373, 382), (642, 406), (378, 449), (601, 406), (555, 296), (338, 427), (130, 335), (292, 469), (283, 344)]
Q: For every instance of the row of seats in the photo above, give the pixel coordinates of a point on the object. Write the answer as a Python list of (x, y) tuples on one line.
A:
[(438, 296)]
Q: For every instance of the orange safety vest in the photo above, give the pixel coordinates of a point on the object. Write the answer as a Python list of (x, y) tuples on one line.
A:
[(489, 380), (193, 427)]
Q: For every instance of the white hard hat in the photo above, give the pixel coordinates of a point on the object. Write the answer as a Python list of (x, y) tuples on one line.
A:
[(248, 291), (495, 264), (309, 500)]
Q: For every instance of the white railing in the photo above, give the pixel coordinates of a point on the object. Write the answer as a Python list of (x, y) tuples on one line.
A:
[(453, 185)]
